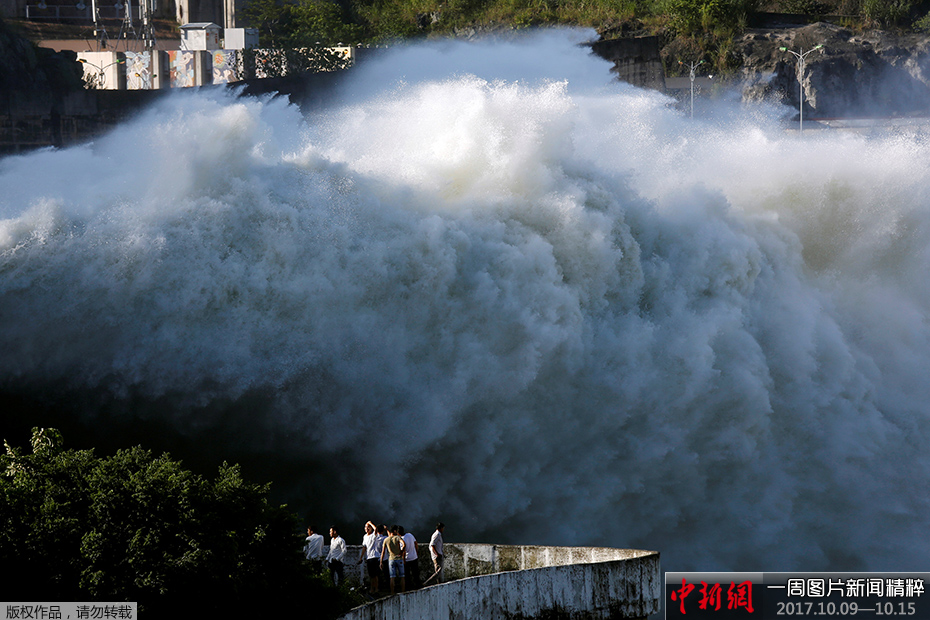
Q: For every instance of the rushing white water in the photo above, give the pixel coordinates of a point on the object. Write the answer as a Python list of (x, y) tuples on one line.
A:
[(491, 286)]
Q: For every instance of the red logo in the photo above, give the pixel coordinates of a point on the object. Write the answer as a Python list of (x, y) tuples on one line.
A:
[(738, 596)]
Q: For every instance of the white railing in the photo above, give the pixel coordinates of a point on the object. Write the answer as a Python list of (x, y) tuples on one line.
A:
[(70, 12)]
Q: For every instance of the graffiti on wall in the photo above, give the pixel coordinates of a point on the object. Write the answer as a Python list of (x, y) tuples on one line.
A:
[(226, 66), (181, 69), (139, 70)]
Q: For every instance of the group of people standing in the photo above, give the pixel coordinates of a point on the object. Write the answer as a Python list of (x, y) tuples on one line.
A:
[(387, 552)]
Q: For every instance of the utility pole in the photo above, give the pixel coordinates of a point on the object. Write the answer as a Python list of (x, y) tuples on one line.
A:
[(100, 33), (147, 9), (692, 66), (801, 62)]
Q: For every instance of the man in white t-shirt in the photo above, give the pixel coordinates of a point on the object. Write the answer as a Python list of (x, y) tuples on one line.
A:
[(435, 552), (371, 554), (411, 567)]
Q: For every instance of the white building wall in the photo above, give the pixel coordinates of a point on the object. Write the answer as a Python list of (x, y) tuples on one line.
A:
[(106, 70)]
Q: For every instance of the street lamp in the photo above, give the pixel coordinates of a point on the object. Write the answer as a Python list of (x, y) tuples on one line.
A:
[(801, 56), (101, 79), (692, 66)]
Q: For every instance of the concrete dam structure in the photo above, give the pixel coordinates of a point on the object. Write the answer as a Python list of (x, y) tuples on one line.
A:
[(497, 582)]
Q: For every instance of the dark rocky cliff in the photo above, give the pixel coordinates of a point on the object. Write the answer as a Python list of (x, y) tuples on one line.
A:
[(637, 60), (856, 74), (873, 73), (27, 69)]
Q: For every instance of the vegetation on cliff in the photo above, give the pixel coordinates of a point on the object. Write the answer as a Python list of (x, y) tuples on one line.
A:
[(695, 29), (138, 527)]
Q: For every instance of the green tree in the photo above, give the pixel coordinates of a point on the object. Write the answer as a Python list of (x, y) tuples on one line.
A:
[(272, 19), (690, 17), (923, 24), (136, 527), (322, 22), (887, 12), (805, 7), (301, 23)]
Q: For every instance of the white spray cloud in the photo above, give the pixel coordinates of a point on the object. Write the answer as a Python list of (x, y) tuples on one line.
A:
[(548, 310)]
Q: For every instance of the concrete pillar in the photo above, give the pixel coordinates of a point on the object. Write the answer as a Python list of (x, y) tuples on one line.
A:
[(160, 68), (203, 67)]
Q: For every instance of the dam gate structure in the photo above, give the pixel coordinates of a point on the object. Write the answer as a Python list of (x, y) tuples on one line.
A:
[(521, 582)]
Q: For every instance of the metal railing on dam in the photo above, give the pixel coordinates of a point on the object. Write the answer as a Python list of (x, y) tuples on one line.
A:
[(498, 582)]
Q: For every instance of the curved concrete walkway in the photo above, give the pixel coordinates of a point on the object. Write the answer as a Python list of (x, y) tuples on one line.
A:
[(498, 582)]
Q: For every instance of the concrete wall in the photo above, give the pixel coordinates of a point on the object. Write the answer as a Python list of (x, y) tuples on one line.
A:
[(552, 582), (29, 121), (186, 68), (636, 60)]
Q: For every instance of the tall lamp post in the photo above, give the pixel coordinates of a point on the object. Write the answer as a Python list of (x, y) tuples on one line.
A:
[(101, 79), (801, 56), (692, 66)]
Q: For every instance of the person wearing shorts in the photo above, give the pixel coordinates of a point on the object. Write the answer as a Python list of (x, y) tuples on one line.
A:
[(395, 548)]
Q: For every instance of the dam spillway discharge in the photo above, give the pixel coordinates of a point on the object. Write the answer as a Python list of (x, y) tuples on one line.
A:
[(559, 301), (494, 582)]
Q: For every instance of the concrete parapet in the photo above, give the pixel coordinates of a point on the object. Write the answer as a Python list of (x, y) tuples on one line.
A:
[(497, 582)]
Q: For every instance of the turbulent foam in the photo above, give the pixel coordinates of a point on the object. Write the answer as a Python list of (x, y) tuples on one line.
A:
[(545, 309)]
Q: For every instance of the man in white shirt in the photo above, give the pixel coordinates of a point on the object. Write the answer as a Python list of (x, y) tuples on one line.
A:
[(411, 566), (435, 551), (337, 555), (313, 547), (371, 554)]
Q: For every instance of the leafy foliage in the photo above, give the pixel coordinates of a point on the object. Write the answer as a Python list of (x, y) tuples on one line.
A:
[(136, 527), (323, 23), (689, 17), (712, 24), (805, 7), (923, 24), (302, 23), (272, 18), (887, 12)]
